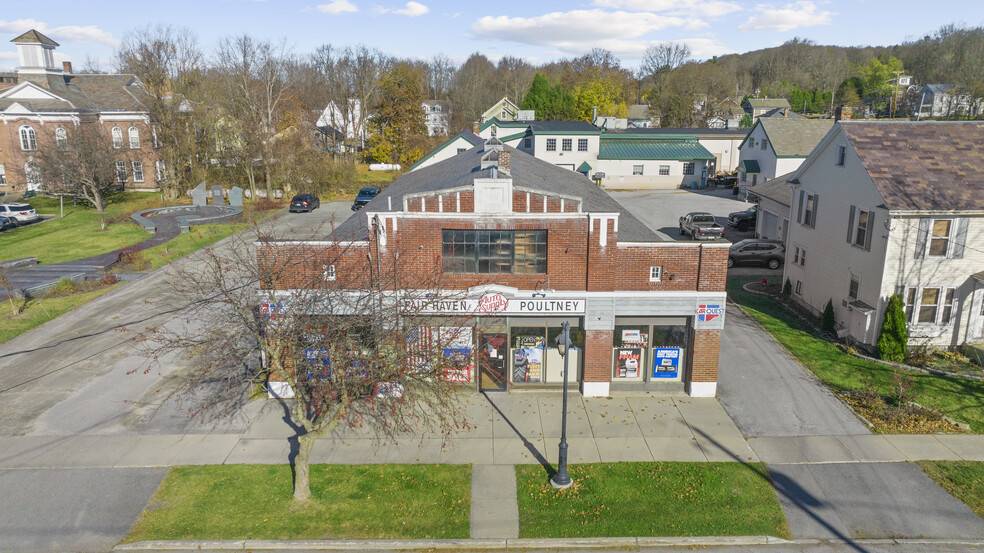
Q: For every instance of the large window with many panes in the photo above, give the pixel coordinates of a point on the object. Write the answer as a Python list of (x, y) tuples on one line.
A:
[(494, 251)]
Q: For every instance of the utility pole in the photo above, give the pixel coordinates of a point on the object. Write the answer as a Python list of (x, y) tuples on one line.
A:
[(895, 93)]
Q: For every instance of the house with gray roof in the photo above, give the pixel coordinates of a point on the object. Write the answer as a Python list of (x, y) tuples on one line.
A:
[(503, 248), (773, 197), (946, 100), (775, 146), (884, 208), (756, 107), (47, 100), (457, 144)]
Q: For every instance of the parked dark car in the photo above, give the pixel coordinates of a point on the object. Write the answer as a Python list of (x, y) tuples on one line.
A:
[(754, 251), (364, 196), (743, 220), (7, 223), (724, 180), (700, 226), (304, 202)]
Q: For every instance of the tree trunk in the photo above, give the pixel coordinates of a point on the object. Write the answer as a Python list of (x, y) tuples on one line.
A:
[(97, 200), (302, 474)]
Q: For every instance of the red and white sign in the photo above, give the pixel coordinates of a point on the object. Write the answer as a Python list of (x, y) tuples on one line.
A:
[(492, 303)]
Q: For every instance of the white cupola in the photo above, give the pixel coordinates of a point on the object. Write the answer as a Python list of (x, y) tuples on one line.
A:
[(36, 53)]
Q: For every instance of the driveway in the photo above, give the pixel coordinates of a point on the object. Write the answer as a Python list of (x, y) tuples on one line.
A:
[(768, 393)]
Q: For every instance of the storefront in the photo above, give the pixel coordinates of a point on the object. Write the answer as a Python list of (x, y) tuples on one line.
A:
[(650, 353)]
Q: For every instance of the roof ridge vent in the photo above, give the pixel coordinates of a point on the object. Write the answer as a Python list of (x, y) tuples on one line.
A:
[(493, 144)]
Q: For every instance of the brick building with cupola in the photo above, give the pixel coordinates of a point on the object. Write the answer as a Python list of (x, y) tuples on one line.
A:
[(40, 102), (519, 246)]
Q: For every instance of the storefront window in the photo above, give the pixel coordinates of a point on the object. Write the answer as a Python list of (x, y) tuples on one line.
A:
[(649, 350), (528, 344), (631, 342)]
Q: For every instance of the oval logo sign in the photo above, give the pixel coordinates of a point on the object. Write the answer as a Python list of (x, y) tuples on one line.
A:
[(492, 303)]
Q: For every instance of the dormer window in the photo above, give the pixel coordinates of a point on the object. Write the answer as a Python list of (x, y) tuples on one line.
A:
[(29, 140)]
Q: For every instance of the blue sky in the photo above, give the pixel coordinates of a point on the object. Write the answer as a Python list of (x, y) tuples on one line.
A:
[(539, 31)]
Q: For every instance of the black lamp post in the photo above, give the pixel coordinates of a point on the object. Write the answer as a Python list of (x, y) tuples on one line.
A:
[(562, 479)]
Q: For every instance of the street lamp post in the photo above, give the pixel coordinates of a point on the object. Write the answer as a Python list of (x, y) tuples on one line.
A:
[(562, 479)]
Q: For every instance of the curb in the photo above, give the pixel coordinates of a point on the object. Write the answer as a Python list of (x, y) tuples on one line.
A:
[(469, 544)]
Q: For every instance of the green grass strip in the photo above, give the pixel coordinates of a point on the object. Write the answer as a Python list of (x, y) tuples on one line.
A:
[(36, 314), (650, 499), (959, 398), (349, 502), (962, 479)]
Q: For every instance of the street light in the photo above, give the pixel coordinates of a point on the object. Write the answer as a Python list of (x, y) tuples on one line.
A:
[(561, 480)]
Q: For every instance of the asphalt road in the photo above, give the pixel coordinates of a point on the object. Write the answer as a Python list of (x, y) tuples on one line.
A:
[(71, 510), (768, 393)]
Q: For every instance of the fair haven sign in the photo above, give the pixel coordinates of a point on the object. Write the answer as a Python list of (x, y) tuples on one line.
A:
[(493, 304)]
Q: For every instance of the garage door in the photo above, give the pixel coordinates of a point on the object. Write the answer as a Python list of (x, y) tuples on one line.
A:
[(569, 166), (770, 225)]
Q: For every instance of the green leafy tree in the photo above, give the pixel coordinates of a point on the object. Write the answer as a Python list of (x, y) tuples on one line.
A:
[(399, 126), (549, 102), (827, 319), (894, 340), (604, 93), (746, 121)]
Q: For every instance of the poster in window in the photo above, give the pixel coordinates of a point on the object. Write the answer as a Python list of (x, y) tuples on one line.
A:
[(457, 360), (635, 338), (627, 362), (666, 362), (528, 359)]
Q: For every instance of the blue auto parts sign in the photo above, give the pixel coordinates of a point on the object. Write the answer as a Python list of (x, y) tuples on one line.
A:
[(666, 362)]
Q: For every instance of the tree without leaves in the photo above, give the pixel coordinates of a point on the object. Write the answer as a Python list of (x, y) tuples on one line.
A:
[(82, 163), (351, 353)]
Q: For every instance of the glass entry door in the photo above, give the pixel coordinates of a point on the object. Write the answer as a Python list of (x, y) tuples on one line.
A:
[(493, 351)]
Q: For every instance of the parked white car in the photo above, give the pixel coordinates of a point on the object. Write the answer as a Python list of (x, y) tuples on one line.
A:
[(22, 213)]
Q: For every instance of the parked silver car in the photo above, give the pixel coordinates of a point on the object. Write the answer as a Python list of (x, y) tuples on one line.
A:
[(22, 213), (753, 251)]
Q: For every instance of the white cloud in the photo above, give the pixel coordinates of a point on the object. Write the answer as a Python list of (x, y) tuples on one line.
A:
[(336, 7), (573, 27), (412, 9), (773, 17), (66, 33), (709, 8)]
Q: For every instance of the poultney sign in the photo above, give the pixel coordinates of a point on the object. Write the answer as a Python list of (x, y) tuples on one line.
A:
[(493, 304)]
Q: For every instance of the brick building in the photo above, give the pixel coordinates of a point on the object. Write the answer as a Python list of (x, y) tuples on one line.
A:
[(46, 101), (519, 245)]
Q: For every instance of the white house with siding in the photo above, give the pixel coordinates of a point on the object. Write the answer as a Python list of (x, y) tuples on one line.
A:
[(883, 208), (776, 146)]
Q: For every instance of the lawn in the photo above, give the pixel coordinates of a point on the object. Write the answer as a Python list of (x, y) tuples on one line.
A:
[(199, 237), (39, 312), (962, 479), (349, 502), (77, 234), (650, 499), (958, 398)]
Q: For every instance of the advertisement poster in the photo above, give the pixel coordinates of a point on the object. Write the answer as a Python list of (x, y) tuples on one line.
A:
[(457, 364), (318, 363), (635, 338), (627, 362), (666, 362), (528, 359)]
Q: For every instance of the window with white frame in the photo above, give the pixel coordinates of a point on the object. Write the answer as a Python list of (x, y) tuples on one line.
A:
[(527, 143), (799, 287), (855, 287), (799, 256), (861, 229), (120, 171), (664, 170), (566, 144), (493, 130), (637, 170), (32, 174), (117, 137), (29, 140), (551, 144), (765, 143), (939, 242), (655, 273), (808, 209), (159, 170), (582, 144), (138, 171), (929, 305), (61, 139), (841, 154), (751, 142), (153, 137), (3, 176), (134, 136), (688, 168), (328, 272)]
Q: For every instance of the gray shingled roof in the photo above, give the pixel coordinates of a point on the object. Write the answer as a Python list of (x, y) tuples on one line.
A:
[(90, 93), (526, 171), (737, 133), (795, 137), (923, 166), (776, 190), (33, 36), (768, 102)]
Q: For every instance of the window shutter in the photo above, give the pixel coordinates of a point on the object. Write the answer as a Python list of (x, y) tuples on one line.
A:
[(922, 236), (960, 238), (800, 206), (850, 225), (816, 202), (869, 230)]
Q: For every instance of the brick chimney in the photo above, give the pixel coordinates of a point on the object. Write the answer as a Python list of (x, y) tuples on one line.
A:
[(505, 161), (67, 67)]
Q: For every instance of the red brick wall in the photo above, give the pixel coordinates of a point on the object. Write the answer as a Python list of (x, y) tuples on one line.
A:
[(704, 357), (681, 265), (598, 355), (603, 266)]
